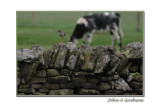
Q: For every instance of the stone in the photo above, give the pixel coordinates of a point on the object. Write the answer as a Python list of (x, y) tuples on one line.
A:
[(122, 60), (92, 80), (80, 59), (133, 50), (36, 80), (36, 86), (83, 74), (88, 92), (52, 73), (139, 91), (113, 92), (125, 71), (39, 51), (26, 91), (72, 56), (52, 86), (66, 86), (55, 50), (92, 60), (66, 72), (41, 73), (27, 70), (106, 79), (130, 78), (116, 77), (120, 84), (104, 86), (26, 55), (43, 90), (111, 83), (134, 68), (102, 62), (60, 59), (24, 86), (88, 86), (39, 93), (47, 56), (113, 70), (136, 85), (79, 80), (61, 92), (114, 60), (86, 54), (138, 77), (21, 94), (141, 69), (58, 79)]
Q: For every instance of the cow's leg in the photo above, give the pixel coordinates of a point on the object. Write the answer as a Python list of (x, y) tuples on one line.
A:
[(89, 39), (115, 35), (112, 37)]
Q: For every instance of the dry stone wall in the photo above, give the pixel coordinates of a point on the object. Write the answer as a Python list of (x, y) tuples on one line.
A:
[(67, 70)]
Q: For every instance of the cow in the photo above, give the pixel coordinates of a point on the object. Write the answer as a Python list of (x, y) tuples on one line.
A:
[(89, 24)]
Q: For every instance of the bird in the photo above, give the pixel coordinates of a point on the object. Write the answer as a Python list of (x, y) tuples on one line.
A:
[(62, 35)]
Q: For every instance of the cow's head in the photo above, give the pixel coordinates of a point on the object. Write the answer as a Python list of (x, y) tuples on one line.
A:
[(73, 40)]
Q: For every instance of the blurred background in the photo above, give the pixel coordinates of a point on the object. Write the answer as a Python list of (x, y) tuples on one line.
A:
[(40, 27)]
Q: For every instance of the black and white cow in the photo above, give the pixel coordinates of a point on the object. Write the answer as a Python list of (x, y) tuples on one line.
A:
[(88, 24)]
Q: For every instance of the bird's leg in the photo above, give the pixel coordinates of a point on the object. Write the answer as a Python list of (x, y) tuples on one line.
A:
[(62, 40)]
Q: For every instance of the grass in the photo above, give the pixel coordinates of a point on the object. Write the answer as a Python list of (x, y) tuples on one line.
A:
[(44, 31)]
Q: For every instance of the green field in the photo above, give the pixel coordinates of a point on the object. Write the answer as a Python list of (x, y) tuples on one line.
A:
[(41, 28)]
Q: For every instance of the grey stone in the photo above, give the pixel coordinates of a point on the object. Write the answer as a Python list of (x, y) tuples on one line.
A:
[(111, 83), (86, 54), (80, 59), (113, 70), (60, 59), (138, 77), (36, 86), (59, 79), (66, 72), (88, 86), (79, 80), (130, 78), (66, 86), (83, 74), (41, 73), (134, 68), (113, 92), (72, 56), (133, 50), (92, 60), (136, 85), (39, 93), (104, 86), (88, 92), (120, 84), (24, 86), (52, 73), (26, 91), (43, 90), (47, 56), (27, 70), (39, 51), (92, 80), (106, 79), (55, 50), (125, 72), (115, 77), (52, 86), (27, 55), (61, 92), (36, 80)]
